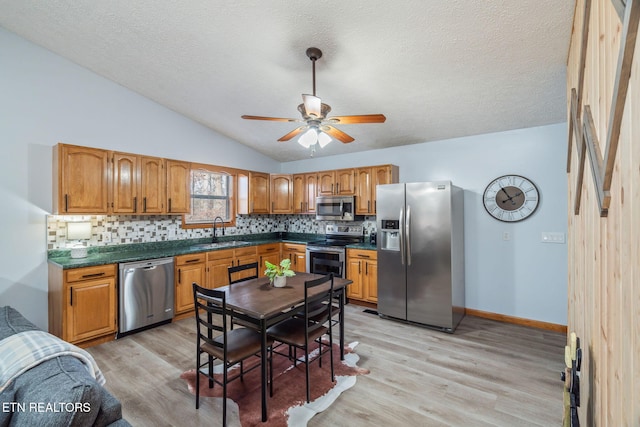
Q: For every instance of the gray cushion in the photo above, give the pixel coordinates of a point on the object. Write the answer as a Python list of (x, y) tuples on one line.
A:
[(63, 383)]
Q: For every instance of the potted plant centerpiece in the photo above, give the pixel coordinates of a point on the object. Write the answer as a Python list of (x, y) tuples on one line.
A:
[(278, 274)]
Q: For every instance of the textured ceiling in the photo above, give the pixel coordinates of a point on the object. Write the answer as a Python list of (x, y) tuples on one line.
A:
[(436, 69)]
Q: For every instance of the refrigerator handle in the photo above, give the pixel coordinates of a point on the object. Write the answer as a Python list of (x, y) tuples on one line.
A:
[(407, 232), (400, 235)]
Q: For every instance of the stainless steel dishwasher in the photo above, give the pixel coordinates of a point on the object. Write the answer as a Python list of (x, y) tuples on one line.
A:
[(146, 293)]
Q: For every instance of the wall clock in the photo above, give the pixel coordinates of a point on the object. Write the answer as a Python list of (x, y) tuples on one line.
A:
[(511, 198)]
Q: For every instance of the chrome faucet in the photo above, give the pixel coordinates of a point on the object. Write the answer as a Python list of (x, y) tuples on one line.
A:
[(215, 238)]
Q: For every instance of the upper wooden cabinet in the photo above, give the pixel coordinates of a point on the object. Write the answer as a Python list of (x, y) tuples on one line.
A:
[(125, 180), (259, 192), (96, 181), (367, 179), (178, 187), (341, 182), (152, 185), (281, 194), (81, 180), (305, 190)]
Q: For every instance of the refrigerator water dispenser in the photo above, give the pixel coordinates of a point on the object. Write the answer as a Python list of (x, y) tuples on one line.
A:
[(390, 235)]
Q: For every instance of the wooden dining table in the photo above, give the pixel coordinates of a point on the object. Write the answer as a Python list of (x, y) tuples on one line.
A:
[(265, 305)]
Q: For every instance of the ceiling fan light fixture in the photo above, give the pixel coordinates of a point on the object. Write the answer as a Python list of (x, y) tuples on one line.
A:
[(323, 139), (308, 138), (312, 105)]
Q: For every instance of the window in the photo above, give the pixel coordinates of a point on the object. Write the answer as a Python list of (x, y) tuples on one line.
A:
[(211, 196)]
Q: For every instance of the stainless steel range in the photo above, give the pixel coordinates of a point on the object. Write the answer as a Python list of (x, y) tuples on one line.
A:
[(334, 245)]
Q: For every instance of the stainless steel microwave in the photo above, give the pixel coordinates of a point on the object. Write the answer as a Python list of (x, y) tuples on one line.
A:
[(335, 208)]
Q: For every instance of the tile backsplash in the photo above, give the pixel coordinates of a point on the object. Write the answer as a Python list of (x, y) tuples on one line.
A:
[(124, 229)]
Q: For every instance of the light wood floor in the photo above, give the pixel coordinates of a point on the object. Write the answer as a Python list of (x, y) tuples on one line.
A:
[(486, 374)]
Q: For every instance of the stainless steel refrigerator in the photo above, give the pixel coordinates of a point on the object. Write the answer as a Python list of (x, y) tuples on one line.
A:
[(421, 253)]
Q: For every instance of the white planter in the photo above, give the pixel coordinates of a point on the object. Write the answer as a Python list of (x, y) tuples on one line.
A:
[(280, 281)]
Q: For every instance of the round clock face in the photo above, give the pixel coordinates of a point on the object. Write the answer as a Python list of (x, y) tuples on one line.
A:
[(511, 198)]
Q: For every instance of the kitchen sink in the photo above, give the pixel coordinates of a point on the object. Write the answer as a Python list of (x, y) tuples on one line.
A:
[(217, 245)]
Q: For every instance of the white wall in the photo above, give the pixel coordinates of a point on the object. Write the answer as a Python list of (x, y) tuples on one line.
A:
[(521, 277), (46, 99)]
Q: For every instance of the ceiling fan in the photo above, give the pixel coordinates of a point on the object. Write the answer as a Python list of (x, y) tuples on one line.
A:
[(317, 127)]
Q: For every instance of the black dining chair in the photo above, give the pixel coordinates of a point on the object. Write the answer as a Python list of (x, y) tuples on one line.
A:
[(301, 332), (236, 272), (217, 341), (326, 266)]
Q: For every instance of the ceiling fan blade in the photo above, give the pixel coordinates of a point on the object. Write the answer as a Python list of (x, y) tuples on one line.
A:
[(272, 119), (337, 134), (293, 133), (365, 118)]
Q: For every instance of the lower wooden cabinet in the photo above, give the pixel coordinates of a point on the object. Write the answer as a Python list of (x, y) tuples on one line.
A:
[(218, 263), (297, 253), (82, 304), (188, 269), (268, 252), (362, 269)]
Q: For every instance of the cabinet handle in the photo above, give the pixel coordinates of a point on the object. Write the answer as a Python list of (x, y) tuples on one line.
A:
[(144, 204), (366, 269), (179, 275), (363, 256), (169, 204), (368, 205), (359, 267), (87, 276), (331, 188), (192, 260), (71, 296), (66, 202), (135, 204)]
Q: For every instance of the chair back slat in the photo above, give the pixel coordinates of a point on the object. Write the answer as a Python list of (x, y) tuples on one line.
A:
[(239, 273), (318, 306), (210, 310)]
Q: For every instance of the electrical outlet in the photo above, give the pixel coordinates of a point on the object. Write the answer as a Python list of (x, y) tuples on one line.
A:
[(506, 235), (106, 237)]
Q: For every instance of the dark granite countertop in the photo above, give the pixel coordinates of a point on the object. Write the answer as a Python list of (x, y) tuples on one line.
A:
[(115, 254)]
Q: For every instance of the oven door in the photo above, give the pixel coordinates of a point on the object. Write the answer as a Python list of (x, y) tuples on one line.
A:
[(325, 253)]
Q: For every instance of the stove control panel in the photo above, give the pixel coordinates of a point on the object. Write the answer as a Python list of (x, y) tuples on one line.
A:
[(344, 230)]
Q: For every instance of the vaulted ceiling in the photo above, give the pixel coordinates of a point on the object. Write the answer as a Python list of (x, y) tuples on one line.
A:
[(436, 69)]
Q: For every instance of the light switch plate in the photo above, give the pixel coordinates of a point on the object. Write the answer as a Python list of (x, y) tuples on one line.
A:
[(552, 237)]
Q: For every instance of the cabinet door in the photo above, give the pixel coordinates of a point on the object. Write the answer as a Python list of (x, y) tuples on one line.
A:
[(178, 187), (218, 272), (259, 193), (269, 252), (371, 281), (281, 194), (386, 174), (345, 180), (188, 269), (296, 253), (363, 191), (152, 185), (312, 192), (82, 174), (91, 309), (125, 178), (354, 273), (326, 183), (299, 182)]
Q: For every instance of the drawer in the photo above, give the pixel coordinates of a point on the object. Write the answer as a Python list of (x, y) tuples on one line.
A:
[(221, 254), (245, 251), (88, 273), (294, 247), (362, 254), (268, 248), (190, 259)]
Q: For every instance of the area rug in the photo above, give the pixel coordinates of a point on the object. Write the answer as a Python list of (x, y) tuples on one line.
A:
[(288, 406)]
